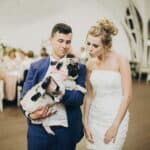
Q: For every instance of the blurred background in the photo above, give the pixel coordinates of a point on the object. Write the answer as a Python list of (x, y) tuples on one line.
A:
[(25, 27)]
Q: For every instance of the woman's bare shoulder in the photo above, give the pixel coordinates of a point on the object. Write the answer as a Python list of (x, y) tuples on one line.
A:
[(119, 56)]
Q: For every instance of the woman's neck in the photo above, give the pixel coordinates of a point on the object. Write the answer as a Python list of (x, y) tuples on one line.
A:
[(104, 55)]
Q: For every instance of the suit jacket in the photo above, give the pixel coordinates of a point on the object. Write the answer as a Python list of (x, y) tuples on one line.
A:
[(72, 99)]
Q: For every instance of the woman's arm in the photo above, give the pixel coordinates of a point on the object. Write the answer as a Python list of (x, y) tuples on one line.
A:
[(87, 104), (127, 91), (88, 98), (127, 94)]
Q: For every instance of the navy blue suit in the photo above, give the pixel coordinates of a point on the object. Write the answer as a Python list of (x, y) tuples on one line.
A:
[(65, 138)]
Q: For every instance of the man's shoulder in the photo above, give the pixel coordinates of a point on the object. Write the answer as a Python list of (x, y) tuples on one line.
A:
[(82, 66), (40, 63), (82, 69)]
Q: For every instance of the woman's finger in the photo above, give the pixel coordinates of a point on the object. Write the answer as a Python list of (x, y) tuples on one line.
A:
[(107, 138), (89, 136)]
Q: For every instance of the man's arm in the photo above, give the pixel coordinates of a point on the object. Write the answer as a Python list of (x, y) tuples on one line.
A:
[(74, 97), (41, 112), (27, 86), (29, 80)]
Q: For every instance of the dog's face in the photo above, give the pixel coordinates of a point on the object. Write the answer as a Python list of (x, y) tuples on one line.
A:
[(73, 69), (46, 83), (72, 66), (42, 89), (69, 64)]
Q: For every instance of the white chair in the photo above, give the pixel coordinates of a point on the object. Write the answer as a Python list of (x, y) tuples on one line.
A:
[(19, 89), (1, 95), (133, 67), (148, 76), (142, 69)]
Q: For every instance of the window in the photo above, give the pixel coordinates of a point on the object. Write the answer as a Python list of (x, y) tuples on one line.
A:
[(148, 30), (128, 12), (134, 36), (131, 24)]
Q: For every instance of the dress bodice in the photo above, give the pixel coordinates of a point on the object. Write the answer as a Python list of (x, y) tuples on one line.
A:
[(107, 89), (106, 82)]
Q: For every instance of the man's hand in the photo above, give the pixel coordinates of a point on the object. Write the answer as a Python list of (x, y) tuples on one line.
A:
[(42, 112)]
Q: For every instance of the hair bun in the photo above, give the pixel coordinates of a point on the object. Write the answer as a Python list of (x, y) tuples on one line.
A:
[(107, 26)]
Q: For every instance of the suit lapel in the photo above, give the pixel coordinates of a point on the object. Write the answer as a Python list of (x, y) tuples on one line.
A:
[(43, 70)]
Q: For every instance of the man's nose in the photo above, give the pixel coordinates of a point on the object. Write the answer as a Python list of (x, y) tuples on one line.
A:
[(64, 45)]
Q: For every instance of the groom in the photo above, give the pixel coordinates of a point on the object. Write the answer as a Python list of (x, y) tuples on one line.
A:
[(65, 138)]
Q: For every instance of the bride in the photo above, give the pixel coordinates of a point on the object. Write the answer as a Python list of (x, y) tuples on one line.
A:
[(109, 88)]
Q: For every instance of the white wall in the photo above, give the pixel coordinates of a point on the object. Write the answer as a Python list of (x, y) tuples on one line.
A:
[(31, 30)]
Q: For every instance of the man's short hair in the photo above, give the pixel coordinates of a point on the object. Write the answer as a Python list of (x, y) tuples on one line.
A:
[(61, 28)]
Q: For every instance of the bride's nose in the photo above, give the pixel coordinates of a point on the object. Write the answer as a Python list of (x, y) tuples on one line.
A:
[(90, 50)]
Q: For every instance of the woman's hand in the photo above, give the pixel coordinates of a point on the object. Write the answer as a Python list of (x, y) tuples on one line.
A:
[(41, 112), (88, 134), (111, 134)]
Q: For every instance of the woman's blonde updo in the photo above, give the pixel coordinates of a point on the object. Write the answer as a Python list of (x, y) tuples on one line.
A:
[(106, 29)]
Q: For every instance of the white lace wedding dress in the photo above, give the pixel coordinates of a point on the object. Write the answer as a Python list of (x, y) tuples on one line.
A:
[(108, 96)]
